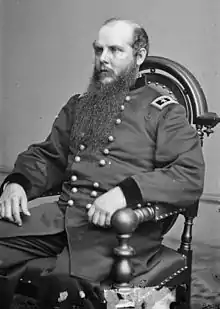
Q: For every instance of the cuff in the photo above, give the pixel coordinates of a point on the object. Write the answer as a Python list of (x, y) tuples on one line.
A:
[(131, 192), (16, 178)]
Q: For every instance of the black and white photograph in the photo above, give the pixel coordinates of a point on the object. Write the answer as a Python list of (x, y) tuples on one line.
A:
[(109, 154)]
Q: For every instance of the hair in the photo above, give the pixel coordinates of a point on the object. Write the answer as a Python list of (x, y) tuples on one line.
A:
[(140, 37)]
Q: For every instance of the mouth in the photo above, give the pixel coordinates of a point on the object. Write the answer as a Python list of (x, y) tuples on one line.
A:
[(104, 73), (105, 70)]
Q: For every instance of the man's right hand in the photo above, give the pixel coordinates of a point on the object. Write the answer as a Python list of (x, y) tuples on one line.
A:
[(13, 202)]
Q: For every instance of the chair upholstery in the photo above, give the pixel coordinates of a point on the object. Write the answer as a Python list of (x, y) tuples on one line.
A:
[(164, 265), (168, 267)]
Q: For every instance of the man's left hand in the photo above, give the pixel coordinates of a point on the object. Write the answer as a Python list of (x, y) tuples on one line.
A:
[(102, 209)]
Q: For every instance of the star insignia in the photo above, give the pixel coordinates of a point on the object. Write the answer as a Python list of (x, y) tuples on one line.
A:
[(163, 101)]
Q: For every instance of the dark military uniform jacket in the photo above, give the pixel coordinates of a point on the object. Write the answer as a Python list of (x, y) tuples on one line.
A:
[(153, 154)]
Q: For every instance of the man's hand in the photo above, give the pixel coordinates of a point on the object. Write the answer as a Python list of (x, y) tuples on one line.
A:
[(13, 201), (105, 206)]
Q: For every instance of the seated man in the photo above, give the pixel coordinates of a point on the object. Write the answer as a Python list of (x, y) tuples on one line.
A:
[(112, 147)]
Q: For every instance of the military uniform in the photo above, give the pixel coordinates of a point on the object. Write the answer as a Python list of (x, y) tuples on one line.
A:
[(153, 154)]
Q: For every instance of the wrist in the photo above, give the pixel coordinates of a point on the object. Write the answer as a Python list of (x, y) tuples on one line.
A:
[(120, 197)]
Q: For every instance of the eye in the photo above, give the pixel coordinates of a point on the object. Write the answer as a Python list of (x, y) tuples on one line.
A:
[(116, 50), (97, 49)]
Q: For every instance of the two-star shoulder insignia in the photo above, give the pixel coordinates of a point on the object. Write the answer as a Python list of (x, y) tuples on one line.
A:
[(163, 101)]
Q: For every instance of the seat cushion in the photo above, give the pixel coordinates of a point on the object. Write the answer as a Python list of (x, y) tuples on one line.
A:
[(162, 268)]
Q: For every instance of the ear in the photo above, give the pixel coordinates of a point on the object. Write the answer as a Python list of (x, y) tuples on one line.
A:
[(141, 55)]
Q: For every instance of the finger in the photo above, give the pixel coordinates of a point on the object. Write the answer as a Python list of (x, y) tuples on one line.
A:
[(1, 205), (7, 208), (91, 212), (16, 210), (24, 206), (102, 219), (2, 213), (95, 217), (108, 220)]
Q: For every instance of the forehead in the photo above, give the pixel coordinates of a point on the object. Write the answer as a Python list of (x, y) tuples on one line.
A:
[(115, 33)]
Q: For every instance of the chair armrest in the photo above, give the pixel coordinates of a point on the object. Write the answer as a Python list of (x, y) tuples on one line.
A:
[(157, 212), (126, 220), (208, 119), (205, 124)]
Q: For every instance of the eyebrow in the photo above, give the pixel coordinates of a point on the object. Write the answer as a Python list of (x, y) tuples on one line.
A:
[(96, 44)]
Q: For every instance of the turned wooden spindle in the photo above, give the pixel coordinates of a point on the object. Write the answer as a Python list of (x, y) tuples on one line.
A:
[(124, 221), (187, 235), (201, 134)]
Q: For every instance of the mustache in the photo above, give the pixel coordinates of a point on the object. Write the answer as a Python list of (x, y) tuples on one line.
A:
[(106, 69), (103, 69)]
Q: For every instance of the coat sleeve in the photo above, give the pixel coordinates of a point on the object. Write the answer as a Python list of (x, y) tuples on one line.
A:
[(178, 177), (42, 166)]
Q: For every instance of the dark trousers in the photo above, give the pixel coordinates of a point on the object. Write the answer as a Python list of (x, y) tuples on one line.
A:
[(16, 251), (55, 284)]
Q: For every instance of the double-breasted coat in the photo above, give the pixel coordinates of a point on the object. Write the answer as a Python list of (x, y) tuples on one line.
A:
[(152, 151)]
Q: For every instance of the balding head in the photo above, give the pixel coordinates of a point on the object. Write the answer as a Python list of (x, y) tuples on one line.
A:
[(139, 35)]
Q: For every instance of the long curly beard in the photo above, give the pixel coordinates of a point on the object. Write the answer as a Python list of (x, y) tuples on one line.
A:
[(98, 109)]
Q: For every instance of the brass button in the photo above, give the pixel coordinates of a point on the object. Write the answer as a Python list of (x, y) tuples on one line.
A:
[(95, 184), (74, 190), (93, 193), (106, 151), (77, 158), (82, 294), (111, 138), (118, 121), (127, 98), (102, 162), (139, 205), (74, 178), (82, 147), (70, 202), (88, 206), (122, 107)]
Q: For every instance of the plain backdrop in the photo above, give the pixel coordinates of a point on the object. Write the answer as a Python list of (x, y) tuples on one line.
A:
[(46, 56)]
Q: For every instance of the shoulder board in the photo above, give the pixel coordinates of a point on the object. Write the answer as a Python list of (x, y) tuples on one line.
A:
[(162, 101)]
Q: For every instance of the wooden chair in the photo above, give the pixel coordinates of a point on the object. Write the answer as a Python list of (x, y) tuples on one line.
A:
[(171, 268)]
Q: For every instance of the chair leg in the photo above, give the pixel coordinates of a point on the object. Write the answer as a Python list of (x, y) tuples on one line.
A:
[(183, 297), (188, 294)]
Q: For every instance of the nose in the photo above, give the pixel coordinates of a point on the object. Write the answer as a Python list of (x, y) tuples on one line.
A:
[(104, 57)]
